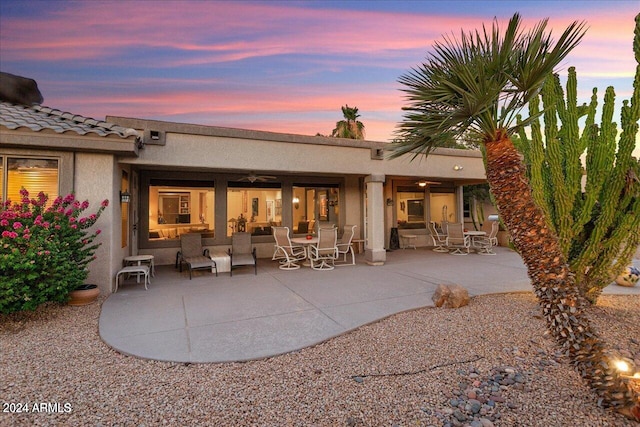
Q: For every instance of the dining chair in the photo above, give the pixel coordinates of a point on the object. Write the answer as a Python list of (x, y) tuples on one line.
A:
[(483, 244), (323, 254), (457, 242), (242, 253), (286, 253), (493, 235), (303, 227), (439, 240), (344, 246)]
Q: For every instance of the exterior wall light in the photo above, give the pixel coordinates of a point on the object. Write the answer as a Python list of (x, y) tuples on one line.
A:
[(296, 202), (125, 197)]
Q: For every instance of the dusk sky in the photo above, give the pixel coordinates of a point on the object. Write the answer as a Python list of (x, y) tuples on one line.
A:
[(282, 66)]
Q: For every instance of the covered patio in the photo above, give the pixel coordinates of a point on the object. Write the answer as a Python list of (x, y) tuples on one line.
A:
[(247, 316)]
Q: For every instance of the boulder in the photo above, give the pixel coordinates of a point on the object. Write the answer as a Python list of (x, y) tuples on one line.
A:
[(450, 296), (629, 277)]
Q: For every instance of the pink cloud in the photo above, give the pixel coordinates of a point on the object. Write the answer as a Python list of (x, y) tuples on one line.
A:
[(212, 30)]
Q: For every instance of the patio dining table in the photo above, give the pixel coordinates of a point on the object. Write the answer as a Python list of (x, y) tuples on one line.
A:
[(480, 249), (305, 242)]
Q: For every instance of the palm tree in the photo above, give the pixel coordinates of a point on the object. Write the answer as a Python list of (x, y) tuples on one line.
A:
[(473, 88), (350, 127)]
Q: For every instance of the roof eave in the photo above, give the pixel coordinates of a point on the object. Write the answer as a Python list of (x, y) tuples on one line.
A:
[(68, 141)]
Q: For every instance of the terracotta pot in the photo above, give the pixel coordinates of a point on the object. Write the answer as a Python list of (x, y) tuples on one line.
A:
[(83, 295)]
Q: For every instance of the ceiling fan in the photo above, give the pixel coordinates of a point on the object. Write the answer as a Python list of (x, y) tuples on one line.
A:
[(424, 183), (252, 177)]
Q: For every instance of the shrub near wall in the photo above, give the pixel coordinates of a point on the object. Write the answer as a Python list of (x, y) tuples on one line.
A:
[(44, 251)]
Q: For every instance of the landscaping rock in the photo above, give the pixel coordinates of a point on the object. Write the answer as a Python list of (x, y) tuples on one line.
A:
[(450, 296)]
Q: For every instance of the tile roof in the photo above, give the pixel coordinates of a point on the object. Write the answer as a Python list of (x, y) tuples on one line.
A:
[(39, 118)]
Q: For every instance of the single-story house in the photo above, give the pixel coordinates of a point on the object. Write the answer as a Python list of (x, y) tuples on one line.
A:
[(165, 179)]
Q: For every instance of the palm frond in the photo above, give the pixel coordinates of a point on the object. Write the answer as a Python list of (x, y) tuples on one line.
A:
[(474, 85)]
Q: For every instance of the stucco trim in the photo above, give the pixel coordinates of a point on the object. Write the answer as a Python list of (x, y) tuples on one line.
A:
[(27, 138)]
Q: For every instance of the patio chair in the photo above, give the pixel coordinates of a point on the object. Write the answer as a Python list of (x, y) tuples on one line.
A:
[(439, 240), (493, 235), (241, 252), (483, 244), (344, 246), (194, 255), (457, 242), (287, 254), (323, 254)]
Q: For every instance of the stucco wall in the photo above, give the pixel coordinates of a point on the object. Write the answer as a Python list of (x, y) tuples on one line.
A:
[(200, 151), (95, 181)]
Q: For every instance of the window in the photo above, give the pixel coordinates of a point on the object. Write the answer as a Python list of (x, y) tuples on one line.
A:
[(253, 209), (177, 207), (33, 174), (314, 207), (410, 208)]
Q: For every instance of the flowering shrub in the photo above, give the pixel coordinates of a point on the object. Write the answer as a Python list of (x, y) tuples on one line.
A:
[(44, 251)]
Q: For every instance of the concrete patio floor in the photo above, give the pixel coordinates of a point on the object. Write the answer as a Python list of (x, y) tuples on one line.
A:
[(245, 317)]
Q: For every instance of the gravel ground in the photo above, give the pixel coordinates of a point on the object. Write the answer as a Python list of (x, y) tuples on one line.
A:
[(428, 367)]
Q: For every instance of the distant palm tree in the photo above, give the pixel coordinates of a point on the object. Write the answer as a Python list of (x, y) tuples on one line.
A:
[(473, 88), (350, 127)]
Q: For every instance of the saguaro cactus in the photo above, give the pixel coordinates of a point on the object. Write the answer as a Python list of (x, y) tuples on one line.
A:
[(586, 183)]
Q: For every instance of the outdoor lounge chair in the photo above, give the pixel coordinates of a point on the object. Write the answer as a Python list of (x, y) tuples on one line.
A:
[(344, 246), (287, 254), (194, 255), (323, 254), (439, 240), (241, 252), (457, 242)]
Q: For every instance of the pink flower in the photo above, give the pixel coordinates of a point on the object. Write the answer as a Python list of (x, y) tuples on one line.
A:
[(72, 219), (105, 203), (24, 192), (4, 222), (93, 217), (17, 225), (82, 220), (69, 198), (9, 234), (57, 227), (84, 205), (98, 232), (74, 226)]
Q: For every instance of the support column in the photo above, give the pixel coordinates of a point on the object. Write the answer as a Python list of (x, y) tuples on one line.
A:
[(375, 253), (459, 204)]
